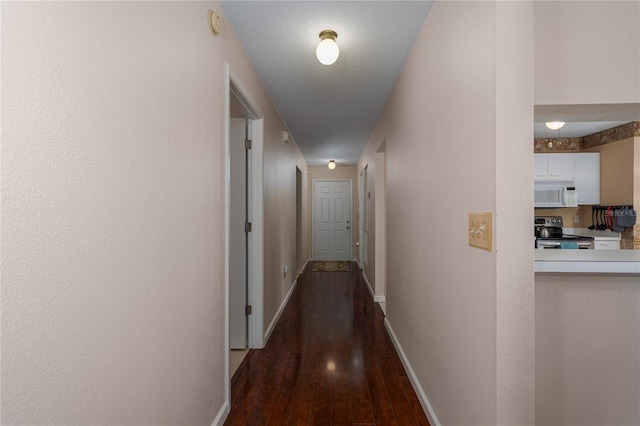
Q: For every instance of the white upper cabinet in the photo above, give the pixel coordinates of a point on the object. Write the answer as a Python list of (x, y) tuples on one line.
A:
[(582, 168), (540, 166), (559, 167), (587, 171)]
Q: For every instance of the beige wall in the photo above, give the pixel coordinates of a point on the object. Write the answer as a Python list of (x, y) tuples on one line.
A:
[(616, 172), (339, 173), (113, 211), (570, 35), (587, 350), (445, 300)]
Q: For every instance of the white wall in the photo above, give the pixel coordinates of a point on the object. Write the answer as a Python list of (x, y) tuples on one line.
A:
[(113, 211), (587, 335), (461, 110), (515, 292), (587, 52), (587, 350)]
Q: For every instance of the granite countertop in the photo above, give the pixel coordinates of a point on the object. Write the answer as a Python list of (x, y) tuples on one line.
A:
[(598, 235), (588, 261)]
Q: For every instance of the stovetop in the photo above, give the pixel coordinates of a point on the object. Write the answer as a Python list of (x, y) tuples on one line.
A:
[(556, 237)]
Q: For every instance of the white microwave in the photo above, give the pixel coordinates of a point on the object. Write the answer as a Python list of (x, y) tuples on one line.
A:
[(546, 195)]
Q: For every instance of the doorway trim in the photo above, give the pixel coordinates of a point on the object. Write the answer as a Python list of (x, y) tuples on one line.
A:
[(380, 226), (255, 291), (361, 207)]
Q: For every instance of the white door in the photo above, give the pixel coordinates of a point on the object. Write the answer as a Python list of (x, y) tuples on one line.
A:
[(237, 235), (332, 220)]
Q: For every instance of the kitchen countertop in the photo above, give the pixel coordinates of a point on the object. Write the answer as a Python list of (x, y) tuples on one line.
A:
[(598, 235), (588, 261)]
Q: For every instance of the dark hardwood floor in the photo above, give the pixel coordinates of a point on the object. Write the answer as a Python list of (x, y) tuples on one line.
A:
[(329, 361)]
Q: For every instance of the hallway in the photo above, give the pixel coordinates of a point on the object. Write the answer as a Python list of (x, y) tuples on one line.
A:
[(329, 361)]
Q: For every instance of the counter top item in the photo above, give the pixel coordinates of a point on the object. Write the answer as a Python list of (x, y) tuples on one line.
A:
[(588, 261), (600, 235), (597, 235)]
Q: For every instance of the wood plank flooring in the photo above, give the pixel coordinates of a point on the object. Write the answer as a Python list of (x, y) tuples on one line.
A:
[(329, 361)]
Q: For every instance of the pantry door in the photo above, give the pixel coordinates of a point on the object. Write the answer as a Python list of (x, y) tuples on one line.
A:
[(332, 220)]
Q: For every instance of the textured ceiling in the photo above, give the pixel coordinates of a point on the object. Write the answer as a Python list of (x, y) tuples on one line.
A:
[(330, 110)]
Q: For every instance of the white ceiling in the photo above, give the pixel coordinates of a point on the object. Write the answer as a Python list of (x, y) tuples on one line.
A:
[(330, 110), (582, 120)]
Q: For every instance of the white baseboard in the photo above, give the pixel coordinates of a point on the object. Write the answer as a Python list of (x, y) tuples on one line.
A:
[(303, 267), (355, 259), (424, 401), (379, 299), (368, 285), (267, 333), (222, 415)]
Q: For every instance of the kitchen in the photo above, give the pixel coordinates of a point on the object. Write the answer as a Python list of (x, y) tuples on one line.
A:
[(586, 300), (585, 192)]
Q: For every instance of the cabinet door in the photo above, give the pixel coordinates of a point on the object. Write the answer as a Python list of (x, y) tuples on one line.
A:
[(587, 169), (606, 245), (561, 166), (540, 166)]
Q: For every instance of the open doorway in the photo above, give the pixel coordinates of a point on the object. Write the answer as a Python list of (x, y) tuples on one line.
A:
[(239, 157), (243, 225)]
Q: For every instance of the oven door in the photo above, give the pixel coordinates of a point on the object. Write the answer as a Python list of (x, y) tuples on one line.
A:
[(565, 243)]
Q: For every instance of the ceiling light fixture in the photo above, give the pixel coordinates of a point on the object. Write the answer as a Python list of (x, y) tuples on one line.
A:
[(328, 51), (332, 164), (554, 125)]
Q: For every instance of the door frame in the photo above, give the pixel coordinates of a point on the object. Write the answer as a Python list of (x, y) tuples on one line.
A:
[(255, 252), (313, 214), (380, 226), (361, 207)]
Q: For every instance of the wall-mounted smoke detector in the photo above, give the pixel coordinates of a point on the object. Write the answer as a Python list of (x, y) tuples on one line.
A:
[(215, 23)]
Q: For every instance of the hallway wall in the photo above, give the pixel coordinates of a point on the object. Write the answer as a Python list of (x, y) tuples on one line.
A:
[(113, 211), (458, 128)]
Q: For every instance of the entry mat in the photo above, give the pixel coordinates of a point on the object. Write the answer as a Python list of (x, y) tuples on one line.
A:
[(319, 266)]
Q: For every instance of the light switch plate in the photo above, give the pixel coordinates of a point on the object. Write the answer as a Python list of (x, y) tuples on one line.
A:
[(479, 230)]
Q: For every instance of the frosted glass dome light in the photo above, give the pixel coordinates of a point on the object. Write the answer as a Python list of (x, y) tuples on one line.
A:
[(332, 164), (554, 125), (328, 51)]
